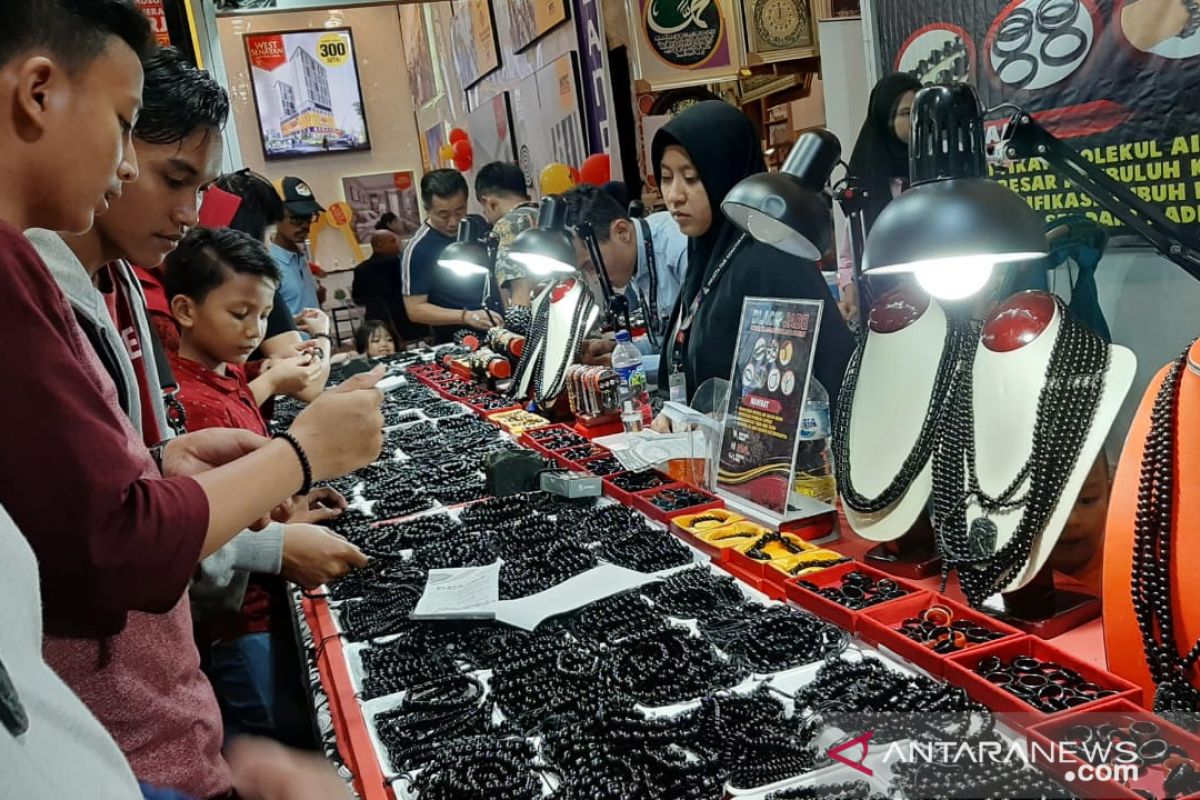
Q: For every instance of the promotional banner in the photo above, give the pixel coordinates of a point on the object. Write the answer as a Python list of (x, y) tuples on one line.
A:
[(767, 389), (1117, 79), (307, 93), (685, 43), (589, 26), (154, 11)]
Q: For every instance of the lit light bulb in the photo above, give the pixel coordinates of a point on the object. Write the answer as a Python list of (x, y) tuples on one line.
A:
[(463, 268), (954, 278)]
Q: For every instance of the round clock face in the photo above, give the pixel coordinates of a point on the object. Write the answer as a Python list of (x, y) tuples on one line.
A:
[(780, 23)]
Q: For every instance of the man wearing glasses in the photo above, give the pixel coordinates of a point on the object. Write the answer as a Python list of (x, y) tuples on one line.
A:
[(289, 246)]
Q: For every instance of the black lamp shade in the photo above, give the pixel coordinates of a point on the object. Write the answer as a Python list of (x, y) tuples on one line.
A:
[(548, 248), (954, 225), (785, 209)]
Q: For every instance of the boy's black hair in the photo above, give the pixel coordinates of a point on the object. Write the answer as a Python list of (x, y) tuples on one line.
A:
[(362, 336), (443, 183), (261, 204), (75, 32), (501, 178), (384, 221), (205, 256), (592, 204), (178, 99)]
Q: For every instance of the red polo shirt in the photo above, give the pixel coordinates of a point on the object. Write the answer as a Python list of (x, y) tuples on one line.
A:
[(213, 400)]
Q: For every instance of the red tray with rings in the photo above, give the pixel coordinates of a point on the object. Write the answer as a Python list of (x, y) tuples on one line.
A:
[(1055, 746), (625, 497), (533, 438), (880, 625), (643, 502), (832, 578), (961, 670)]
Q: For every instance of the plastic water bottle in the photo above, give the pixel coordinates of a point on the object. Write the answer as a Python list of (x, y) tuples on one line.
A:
[(814, 459), (627, 363)]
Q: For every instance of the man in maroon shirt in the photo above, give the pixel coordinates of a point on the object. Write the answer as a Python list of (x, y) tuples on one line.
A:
[(113, 536)]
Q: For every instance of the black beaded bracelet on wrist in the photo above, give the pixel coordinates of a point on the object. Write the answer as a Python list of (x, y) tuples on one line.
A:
[(305, 465)]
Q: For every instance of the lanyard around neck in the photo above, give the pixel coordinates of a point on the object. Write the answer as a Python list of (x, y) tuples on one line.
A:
[(685, 321)]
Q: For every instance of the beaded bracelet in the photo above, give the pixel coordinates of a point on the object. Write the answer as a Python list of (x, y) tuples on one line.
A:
[(305, 466)]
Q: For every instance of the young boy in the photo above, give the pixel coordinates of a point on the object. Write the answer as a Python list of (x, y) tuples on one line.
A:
[(115, 540), (221, 285)]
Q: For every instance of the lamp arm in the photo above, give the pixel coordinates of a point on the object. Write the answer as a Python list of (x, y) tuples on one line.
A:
[(1026, 138), (617, 306)]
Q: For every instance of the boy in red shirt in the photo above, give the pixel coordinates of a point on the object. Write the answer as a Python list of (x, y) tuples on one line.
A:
[(221, 287)]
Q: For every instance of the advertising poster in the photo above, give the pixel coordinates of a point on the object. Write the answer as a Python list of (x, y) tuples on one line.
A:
[(685, 43), (593, 51), (1116, 79), (767, 388), (154, 11), (473, 40), (491, 131), (420, 53), (372, 196), (307, 93), (530, 20), (559, 98), (431, 145)]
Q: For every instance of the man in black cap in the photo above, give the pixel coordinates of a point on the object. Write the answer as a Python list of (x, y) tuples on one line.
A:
[(289, 245)]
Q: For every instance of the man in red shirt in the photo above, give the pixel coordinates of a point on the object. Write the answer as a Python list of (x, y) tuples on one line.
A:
[(117, 534)]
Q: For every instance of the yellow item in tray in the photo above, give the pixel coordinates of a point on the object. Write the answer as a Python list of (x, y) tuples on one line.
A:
[(812, 561), (698, 524), (735, 534), (518, 421)]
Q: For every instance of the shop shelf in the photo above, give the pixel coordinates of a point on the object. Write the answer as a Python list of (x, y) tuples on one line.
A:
[(642, 501), (835, 612), (960, 670), (880, 625)]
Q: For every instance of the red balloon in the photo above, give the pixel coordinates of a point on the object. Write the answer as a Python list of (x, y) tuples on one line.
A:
[(574, 175), (596, 170), (463, 147), (457, 135)]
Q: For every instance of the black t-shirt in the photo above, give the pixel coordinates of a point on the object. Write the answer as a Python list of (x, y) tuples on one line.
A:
[(420, 274)]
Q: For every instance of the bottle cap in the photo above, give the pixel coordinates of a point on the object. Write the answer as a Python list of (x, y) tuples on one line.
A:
[(622, 336)]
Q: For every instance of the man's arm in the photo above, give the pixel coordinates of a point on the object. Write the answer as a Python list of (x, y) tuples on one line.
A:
[(420, 310)]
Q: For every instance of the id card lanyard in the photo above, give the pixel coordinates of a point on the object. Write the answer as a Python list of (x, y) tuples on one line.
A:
[(678, 377), (650, 309)]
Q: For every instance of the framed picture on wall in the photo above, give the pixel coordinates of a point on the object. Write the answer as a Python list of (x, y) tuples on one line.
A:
[(372, 196), (559, 96), (420, 54), (532, 150), (675, 43), (530, 20), (307, 93), (779, 30), (473, 40), (431, 143), (490, 127)]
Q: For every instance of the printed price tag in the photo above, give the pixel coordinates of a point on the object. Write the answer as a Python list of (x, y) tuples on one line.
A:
[(333, 49)]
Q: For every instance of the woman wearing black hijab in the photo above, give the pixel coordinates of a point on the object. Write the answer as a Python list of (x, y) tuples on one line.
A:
[(698, 157), (880, 165)]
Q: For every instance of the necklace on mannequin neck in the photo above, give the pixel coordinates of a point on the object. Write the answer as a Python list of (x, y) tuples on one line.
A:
[(1152, 535), (539, 344), (1066, 408), (959, 336)]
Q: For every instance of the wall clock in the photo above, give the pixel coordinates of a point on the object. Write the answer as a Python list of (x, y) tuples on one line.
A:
[(779, 30)]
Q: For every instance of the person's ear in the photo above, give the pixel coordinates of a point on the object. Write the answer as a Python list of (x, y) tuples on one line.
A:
[(39, 80), (183, 308), (622, 229)]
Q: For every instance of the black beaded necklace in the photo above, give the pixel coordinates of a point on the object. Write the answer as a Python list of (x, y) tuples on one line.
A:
[(1151, 578), (1066, 409), (958, 345), (534, 358)]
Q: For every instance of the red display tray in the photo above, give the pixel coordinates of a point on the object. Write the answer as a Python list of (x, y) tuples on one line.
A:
[(762, 569), (771, 590), (532, 441), (566, 454), (960, 670), (603, 478), (879, 625), (1064, 763), (835, 612), (641, 501)]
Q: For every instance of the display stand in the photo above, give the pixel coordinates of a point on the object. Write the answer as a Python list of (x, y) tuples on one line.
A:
[(897, 375), (1042, 608), (1009, 373), (1121, 634)]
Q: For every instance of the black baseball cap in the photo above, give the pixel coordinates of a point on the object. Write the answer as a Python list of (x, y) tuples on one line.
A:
[(298, 198)]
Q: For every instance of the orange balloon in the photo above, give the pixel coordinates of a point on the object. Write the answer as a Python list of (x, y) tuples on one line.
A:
[(556, 178), (446, 152)]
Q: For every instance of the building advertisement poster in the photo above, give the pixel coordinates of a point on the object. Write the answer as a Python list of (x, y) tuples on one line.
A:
[(372, 196), (685, 43), (307, 93), (1116, 79), (763, 434)]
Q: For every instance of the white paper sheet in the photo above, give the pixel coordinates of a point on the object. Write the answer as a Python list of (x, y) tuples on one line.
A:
[(464, 593), (577, 592)]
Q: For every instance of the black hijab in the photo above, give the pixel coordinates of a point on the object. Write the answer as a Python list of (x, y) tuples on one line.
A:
[(879, 156), (725, 147)]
